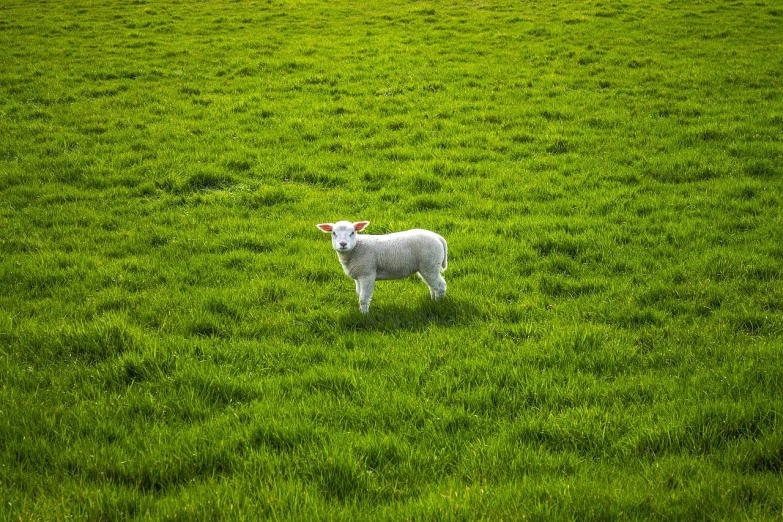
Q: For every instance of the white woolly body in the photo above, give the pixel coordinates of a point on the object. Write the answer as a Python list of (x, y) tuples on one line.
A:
[(395, 256), (368, 258)]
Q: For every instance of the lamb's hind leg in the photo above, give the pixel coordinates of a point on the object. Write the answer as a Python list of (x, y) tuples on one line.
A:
[(435, 282)]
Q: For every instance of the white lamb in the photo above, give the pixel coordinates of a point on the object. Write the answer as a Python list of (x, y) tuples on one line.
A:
[(368, 258)]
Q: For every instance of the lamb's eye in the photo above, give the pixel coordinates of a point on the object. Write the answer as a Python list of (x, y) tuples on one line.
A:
[(352, 233), (334, 233)]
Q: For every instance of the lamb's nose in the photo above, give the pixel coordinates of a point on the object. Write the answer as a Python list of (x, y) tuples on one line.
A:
[(343, 244)]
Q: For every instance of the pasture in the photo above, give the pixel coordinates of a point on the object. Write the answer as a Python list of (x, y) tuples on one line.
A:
[(178, 340)]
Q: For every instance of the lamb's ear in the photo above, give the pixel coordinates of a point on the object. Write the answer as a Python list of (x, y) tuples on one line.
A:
[(361, 225), (325, 227)]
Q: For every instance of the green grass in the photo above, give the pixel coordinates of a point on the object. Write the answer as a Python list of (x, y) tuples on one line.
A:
[(178, 340)]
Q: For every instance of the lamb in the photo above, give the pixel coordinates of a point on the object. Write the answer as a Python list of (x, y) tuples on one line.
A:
[(368, 258)]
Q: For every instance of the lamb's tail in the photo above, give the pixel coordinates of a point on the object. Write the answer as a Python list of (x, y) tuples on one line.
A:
[(445, 264)]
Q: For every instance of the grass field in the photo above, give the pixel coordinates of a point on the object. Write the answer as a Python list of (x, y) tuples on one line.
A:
[(178, 340)]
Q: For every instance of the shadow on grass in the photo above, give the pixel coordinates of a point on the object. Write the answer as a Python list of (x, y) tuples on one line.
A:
[(418, 315)]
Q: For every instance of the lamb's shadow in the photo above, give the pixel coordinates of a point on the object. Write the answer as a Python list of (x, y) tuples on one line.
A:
[(418, 315)]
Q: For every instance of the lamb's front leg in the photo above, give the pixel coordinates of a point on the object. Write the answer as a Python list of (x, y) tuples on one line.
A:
[(365, 287)]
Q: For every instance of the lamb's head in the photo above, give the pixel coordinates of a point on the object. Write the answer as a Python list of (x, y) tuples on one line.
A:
[(343, 233)]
